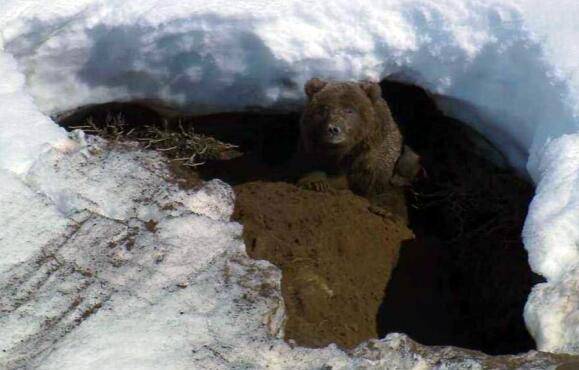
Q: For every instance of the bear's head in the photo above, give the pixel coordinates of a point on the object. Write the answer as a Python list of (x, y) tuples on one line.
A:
[(340, 115)]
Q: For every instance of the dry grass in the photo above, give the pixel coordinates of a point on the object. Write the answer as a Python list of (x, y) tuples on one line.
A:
[(178, 144)]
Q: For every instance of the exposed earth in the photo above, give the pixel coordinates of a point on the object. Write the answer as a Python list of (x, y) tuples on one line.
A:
[(336, 257)]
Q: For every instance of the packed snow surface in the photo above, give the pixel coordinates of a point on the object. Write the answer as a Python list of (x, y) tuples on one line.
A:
[(509, 68)]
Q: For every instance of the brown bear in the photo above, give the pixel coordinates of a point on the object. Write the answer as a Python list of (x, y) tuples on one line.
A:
[(348, 138)]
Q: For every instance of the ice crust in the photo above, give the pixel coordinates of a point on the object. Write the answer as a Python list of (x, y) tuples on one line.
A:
[(509, 68)]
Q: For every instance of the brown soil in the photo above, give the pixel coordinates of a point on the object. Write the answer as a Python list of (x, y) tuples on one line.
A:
[(335, 254)]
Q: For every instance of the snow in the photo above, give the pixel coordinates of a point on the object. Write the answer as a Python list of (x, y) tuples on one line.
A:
[(26, 132), (509, 68), (211, 56), (20, 205), (551, 236)]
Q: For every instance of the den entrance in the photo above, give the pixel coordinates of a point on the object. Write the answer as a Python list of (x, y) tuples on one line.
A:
[(453, 272)]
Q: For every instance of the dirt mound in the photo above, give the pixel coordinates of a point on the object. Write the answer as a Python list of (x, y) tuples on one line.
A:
[(336, 257)]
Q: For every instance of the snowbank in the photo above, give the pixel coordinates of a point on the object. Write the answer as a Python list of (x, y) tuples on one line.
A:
[(25, 131), (479, 56), (508, 68)]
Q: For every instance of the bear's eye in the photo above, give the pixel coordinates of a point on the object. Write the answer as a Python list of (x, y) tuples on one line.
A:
[(321, 112), (349, 110)]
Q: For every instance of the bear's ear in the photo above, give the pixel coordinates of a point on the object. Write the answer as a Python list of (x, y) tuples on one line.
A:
[(372, 89), (313, 86)]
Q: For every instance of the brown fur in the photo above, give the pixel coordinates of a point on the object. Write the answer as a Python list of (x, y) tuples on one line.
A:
[(372, 142)]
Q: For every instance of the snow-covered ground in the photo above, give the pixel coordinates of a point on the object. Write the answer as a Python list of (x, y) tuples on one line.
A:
[(510, 68)]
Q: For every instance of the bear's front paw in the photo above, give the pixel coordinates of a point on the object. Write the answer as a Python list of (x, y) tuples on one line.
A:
[(315, 181), (321, 186)]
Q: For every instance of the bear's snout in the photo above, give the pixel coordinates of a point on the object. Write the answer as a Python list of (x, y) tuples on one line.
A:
[(334, 133), (333, 129)]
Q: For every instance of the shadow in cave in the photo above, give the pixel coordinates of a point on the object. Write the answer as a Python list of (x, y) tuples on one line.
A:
[(464, 279), (268, 141)]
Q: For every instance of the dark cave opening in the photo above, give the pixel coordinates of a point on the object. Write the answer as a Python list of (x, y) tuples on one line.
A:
[(465, 278), (462, 281)]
